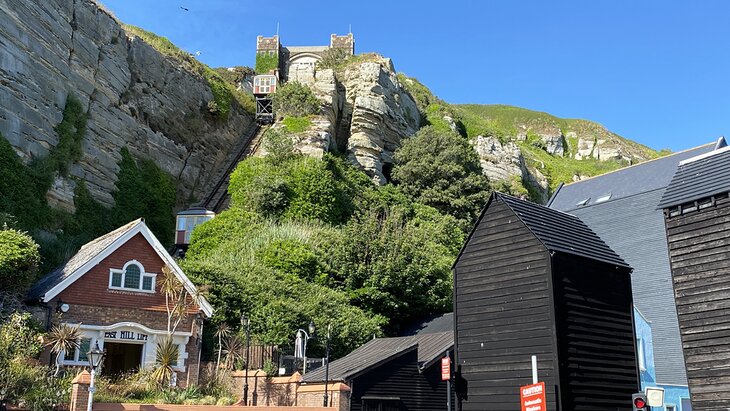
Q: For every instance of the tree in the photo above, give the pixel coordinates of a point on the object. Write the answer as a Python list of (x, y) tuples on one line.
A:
[(19, 259), (62, 339), (396, 261), (221, 331), (441, 169)]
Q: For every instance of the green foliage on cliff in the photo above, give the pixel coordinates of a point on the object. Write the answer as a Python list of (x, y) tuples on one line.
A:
[(297, 124), (224, 90), (235, 257), (143, 190), (265, 63), (19, 260), (308, 238), (295, 99), (440, 169)]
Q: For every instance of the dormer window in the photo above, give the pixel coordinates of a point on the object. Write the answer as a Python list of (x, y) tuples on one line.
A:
[(132, 277)]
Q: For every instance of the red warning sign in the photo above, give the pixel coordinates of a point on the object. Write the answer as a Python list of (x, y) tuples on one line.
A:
[(532, 397), (445, 368)]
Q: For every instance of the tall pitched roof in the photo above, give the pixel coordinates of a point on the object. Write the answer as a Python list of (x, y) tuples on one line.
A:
[(96, 250), (699, 177), (640, 178), (378, 351), (559, 231)]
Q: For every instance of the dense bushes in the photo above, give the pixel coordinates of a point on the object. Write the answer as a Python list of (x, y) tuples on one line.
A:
[(19, 260), (295, 99), (308, 238), (23, 380), (441, 169), (143, 190)]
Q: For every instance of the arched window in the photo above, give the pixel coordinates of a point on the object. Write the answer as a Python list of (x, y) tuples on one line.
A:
[(132, 277)]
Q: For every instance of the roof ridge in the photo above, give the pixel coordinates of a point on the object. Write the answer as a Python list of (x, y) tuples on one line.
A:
[(703, 156), (537, 205)]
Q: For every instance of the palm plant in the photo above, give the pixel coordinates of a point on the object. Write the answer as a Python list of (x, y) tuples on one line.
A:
[(222, 331), (165, 360), (62, 339), (233, 350)]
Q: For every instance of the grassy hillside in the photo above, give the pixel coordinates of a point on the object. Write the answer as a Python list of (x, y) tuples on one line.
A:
[(524, 127)]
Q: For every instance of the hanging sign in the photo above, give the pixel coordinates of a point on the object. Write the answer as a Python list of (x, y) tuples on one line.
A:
[(445, 368), (532, 397)]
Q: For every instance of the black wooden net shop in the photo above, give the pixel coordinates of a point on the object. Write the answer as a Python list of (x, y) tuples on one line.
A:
[(697, 218), (535, 281)]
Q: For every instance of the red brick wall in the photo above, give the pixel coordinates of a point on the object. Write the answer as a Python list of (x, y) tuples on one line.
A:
[(93, 287)]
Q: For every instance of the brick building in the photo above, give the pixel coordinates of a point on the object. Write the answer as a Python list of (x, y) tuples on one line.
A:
[(112, 288)]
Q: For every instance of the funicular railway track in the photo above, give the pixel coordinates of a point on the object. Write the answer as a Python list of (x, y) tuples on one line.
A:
[(217, 199)]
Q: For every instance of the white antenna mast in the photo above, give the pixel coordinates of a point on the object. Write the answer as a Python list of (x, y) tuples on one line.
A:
[(350, 28), (277, 28)]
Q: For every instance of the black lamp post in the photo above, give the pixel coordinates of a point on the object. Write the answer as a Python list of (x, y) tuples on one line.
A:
[(95, 357), (245, 324), (327, 366)]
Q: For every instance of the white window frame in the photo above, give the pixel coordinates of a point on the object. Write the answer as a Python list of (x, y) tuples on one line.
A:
[(142, 275), (77, 353)]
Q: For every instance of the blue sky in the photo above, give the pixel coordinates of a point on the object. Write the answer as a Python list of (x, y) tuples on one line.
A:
[(657, 72)]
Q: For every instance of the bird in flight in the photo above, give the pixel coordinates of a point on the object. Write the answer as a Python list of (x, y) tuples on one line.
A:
[(184, 8)]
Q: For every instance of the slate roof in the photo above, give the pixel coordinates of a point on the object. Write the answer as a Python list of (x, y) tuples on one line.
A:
[(699, 177), (640, 178), (434, 324), (87, 252), (562, 232), (381, 350)]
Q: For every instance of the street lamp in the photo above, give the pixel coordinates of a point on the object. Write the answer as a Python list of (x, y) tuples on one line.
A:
[(245, 324), (95, 357), (327, 365), (299, 350)]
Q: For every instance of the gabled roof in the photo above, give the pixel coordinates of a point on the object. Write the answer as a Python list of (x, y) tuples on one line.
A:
[(562, 232), (93, 252), (378, 351), (699, 177), (556, 230), (640, 178)]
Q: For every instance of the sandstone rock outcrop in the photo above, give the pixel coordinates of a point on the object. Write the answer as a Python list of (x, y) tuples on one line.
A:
[(366, 113), (133, 95)]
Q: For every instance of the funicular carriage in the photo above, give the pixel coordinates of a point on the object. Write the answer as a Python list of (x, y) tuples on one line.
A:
[(263, 86), (186, 221)]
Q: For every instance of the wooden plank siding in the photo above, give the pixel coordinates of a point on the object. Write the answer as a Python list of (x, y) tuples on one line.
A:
[(400, 378), (502, 311), (596, 342), (699, 250)]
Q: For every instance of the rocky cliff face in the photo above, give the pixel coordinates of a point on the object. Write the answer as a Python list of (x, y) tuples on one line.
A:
[(133, 95), (366, 113)]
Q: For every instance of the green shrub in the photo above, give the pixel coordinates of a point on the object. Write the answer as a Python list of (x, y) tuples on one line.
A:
[(290, 257), (265, 62), (295, 99), (440, 169), (278, 146), (297, 124), (222, 94), (19, 260), (143, 190)]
